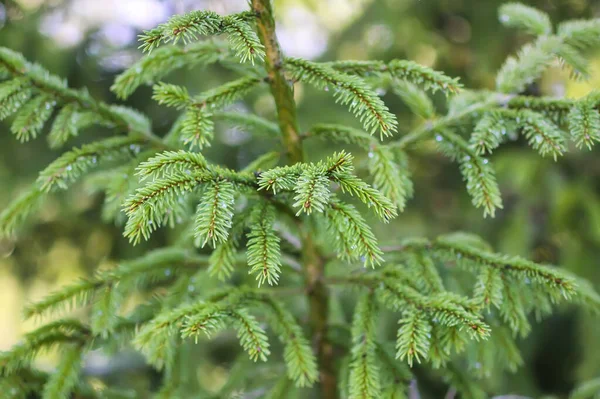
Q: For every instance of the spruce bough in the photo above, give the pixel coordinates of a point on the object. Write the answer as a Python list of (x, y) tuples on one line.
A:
[(270, 223)]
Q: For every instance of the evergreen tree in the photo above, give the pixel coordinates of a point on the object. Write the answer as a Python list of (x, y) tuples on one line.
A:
[(264, 250)]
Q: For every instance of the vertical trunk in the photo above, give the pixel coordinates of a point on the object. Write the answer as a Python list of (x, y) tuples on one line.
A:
[(316, 291), (318, 300), (281, 90)]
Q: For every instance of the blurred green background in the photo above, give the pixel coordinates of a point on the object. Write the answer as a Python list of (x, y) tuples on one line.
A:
[(551, 210)]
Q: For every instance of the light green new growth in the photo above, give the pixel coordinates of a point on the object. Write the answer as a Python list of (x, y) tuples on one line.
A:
[(527, 18), (278, 225), (348, 90)]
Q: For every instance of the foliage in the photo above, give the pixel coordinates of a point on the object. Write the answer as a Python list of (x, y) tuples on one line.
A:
[(286, 214)]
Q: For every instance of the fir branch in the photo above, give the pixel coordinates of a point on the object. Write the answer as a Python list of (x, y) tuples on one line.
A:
[(30, 119), (422, 75), (136, 123), (586, 390), (63, 380), (64, 126), (171, 162), (348, 90), (426, 275), (533, 59), (34, 80), (530, 19), (480, 177), (243, 39), (171, 95), (13, 96), (44, 338), (222, 96), (264, 257), (571, 56), (280, 178), (190, 26), (395, 388), (186, 27), (104, 312), (507, 351), (358, 67), (468, 98), (11, 87), (155, 266), (554, 108), (557, 284), (518, 72), (364, 371), (452, 119), (252, 337), (152, 267), (208, 320), (340, 170), (158, 337), (584, 122), (512, 310), (446, 308), (34, 74), (154, 204), (582, 34), (343, 381), (416, 100), (400, 372), (116, 184), (223, 257), (72, 164), (405, 70), (215, 317), (441, 345), (344, 134), (353, 236), (540, 285), (73, 295), (493, 129), (312, 190), (162, 61), (197, 128), (299, 358), (79, 120), (390, 177), (435, 323), (15, 214), (214, 213), (413, 339), (542, 135), (488, 289), (585, 295)]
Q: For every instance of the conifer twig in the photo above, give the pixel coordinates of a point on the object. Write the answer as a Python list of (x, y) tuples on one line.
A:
[(430, 126), (46, 84)]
